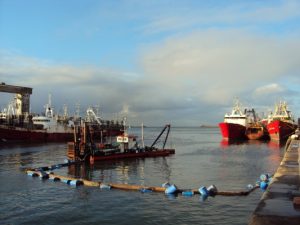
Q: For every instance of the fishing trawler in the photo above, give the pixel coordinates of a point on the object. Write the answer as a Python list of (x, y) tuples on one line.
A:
[(234, 125), (281, 123)]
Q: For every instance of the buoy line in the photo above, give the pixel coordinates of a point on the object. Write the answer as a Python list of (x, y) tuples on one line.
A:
[(167, 188)]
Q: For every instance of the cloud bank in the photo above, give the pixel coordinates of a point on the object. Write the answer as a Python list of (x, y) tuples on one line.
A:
[(178, 77), (193, 59)]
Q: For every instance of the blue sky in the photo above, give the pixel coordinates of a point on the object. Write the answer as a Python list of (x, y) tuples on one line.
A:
[(155, 61)]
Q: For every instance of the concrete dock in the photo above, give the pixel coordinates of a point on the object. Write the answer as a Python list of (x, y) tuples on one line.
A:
[(280, 204)]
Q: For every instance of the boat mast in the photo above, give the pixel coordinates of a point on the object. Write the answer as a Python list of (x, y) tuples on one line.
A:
[(143, 143)]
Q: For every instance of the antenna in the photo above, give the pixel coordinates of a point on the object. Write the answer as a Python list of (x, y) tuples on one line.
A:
[(143, 143), (49, 101)]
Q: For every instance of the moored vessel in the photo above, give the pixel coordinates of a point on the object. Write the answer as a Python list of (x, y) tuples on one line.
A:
[(49, 127), (85, 148), (34, 128), (281, 123), (234, 125), (255, 129)]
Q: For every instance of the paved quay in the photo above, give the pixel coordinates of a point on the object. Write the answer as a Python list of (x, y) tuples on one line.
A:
[(280, 204)]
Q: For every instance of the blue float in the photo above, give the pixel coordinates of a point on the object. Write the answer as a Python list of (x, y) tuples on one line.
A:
[(171, 189), (264, 177), (263, 185), (75, 182), (203, 191), (187, 193), (203, 198), (145, 190), (105, 186), (32, 174)]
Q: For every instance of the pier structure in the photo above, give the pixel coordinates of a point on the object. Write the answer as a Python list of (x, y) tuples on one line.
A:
[(280, 204), (22, 97)]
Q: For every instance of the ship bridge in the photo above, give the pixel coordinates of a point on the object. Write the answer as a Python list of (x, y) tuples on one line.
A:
[(22, 97)]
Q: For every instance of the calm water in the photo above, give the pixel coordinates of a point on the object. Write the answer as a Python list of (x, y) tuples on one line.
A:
[(201, 159)]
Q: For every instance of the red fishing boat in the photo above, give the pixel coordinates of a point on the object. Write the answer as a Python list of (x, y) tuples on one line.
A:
[(234, 125), (281, 124)]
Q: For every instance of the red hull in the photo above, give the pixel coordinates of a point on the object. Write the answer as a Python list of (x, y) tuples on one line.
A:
[(232, 131), (280, 130), (11, 133), (158, 153), (23, 134)]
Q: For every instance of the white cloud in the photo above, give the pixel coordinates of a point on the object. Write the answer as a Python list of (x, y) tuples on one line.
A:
[(215, 65), (207, 68), (268, 90)]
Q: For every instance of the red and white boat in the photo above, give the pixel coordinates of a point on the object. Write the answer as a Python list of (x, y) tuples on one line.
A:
[(234, 125), (281, 124)]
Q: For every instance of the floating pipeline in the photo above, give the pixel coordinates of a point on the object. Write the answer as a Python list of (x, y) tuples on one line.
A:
[(169, 189), (53, 167)]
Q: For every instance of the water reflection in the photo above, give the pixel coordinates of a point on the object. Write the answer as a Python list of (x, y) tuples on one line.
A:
[(122, 171), (227, 142), (274, 145)]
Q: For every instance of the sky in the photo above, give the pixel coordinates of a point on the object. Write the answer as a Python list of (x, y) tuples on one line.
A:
[(154, 61)]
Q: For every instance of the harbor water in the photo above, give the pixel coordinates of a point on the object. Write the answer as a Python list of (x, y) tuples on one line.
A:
[(201, 159)]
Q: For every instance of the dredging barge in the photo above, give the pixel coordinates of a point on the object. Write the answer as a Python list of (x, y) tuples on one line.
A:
[(85, 148)]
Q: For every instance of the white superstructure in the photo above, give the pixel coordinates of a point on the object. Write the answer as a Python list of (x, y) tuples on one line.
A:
[(236, 116)]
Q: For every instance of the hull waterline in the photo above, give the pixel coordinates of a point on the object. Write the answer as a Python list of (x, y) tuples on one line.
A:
[(9, 134), (232, 131), (157, 153), (280, 130)]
